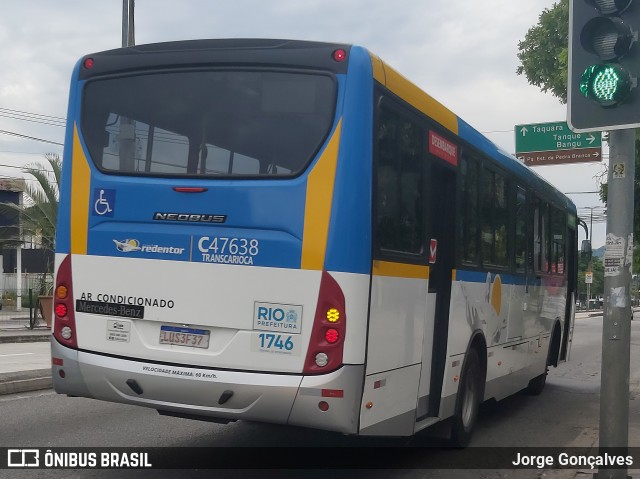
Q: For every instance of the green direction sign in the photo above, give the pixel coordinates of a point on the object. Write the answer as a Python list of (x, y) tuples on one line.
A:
[(554, 143)]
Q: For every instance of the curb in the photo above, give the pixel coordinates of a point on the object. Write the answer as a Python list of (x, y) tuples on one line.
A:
[(26, 337), (25, 381)]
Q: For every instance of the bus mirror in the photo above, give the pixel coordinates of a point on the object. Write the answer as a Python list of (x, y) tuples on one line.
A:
[(585, 247)]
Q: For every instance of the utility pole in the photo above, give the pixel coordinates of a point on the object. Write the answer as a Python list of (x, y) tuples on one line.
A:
[(603, 95), (616, 330), (590, 264), (128, 24), (127, 130)]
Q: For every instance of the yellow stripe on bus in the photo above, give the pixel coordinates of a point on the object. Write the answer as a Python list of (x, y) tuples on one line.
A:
[(400, 270), (419, 99), (378, 68), (317, 210), (80, 186)]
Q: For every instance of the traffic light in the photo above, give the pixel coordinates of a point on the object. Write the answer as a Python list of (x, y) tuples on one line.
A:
[(604, 63)]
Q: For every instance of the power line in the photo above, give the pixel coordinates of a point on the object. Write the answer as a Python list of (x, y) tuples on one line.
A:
[(33, 117), (32, 120), (25, 167), (497, 131), (30, 153), (21, 112), (13, 133)]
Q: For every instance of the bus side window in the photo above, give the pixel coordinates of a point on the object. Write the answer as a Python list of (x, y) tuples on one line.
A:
[(520, 246), (494, 217), (469, 209), (558, 231), (541, 235), (399, 185)]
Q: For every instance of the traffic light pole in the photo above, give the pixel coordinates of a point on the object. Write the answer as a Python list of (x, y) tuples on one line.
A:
[(616, 331)]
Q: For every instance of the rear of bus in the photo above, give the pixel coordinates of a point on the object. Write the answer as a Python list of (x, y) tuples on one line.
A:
[(213, 247)]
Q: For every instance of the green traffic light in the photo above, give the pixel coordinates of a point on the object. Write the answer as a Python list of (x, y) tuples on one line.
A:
[(608, 85)]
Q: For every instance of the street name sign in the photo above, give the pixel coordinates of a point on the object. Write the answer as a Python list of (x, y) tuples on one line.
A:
[(541, 144)]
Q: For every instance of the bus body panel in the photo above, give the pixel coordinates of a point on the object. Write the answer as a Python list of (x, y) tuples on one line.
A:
[(400, 337), (343, 410), (141, 308), (197, 392), (398, 318), (494, 304), (389, 402), (350, 232)]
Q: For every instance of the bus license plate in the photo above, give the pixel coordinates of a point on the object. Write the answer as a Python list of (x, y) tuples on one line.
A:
[(180, 336)]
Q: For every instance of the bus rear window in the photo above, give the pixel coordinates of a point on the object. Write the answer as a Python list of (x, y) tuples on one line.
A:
[(207, 123)]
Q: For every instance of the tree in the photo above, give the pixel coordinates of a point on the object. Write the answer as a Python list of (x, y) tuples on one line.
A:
[(597, 287), (544, 52), (37, 216)]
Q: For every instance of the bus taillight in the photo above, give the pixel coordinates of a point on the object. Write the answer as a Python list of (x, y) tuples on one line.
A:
[(64, 329), (61, 310), (332, 336), (339, 55), (329, 326)]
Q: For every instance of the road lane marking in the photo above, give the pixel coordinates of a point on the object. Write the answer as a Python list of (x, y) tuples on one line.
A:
[(16, 354)]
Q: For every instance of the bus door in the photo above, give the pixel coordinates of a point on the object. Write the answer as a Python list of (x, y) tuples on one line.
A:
[(571, 261), (399, 276), (441, 246)]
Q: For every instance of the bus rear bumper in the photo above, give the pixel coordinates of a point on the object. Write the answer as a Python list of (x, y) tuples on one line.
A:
[(215, 394)]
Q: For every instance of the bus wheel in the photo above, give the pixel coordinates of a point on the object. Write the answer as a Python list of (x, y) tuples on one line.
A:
[(468, 400), (536, 385)]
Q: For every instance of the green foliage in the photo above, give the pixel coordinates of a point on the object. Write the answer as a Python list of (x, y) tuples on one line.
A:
[(544, 52), (39, 212), (597, 268)]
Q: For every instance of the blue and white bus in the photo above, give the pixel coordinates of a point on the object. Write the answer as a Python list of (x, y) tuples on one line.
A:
[(292, 232)]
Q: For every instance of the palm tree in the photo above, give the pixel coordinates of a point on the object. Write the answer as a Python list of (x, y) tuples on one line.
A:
[(36, 216)]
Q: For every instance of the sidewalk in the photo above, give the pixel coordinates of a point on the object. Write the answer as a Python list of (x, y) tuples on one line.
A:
[(588, 314), (25, 363)]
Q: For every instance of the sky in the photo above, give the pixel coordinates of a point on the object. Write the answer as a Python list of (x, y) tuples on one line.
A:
[(461, 53)]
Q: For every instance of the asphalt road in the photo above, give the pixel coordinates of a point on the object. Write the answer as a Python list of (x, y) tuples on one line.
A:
[(566, 414)]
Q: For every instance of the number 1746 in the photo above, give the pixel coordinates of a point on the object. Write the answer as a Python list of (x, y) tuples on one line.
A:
[(275, 341)]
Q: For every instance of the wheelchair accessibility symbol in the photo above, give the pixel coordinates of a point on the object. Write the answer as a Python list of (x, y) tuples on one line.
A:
[(104, 202)]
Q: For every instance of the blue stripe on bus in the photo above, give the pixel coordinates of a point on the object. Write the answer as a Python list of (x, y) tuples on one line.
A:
[(349, 241), (506, 278), (63, 234)]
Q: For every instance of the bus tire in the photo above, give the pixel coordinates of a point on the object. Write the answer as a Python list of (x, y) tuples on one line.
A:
[(537, 384), (468, 400)]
